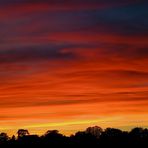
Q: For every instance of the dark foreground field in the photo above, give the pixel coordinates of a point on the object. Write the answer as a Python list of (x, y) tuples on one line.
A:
[(91, 137)]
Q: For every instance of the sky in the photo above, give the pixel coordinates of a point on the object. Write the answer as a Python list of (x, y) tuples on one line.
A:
[(67, 65)]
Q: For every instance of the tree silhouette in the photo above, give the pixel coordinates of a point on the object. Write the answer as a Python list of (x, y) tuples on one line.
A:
[(53, 138), (112, 137), (94, 137), (13, 138), (3, 137), (52, 132), (95, 131), (138, 131), (22, 133)]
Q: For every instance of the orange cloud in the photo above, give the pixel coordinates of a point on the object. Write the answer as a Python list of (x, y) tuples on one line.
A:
[(67, 66)]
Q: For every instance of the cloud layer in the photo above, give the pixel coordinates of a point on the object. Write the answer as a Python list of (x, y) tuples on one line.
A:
[(73, 60)]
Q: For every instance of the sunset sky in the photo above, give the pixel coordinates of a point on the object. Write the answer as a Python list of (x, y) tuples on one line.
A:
[(70, 64)]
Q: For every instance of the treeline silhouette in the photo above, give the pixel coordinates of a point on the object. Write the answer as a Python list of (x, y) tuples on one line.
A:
[(91, 137)]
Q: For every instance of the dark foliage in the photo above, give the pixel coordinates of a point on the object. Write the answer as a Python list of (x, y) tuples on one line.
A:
[(92, 137)]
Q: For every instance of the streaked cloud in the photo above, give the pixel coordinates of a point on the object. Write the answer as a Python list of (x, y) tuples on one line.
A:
[(73, 61)]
